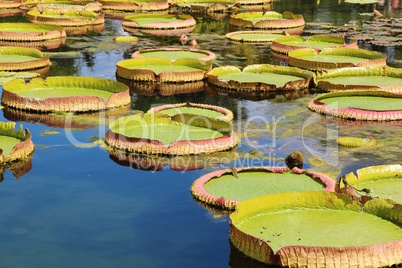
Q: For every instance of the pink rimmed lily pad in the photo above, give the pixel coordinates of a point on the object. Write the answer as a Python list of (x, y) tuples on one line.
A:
[(333, 58), (159, 134), (382, 181), (163, 70), (381, 78), (226, 188), (29, 32), (318, 229), (359, 105), (14, 144), (7, 4), (207, 110), (22, 59), (175, 53), (70, 18), (285, 44), (137, 6), (267, 20), (65, 94), (260, 77), (158, 21)]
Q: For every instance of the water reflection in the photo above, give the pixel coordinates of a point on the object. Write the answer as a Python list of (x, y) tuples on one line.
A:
[(18, 168)]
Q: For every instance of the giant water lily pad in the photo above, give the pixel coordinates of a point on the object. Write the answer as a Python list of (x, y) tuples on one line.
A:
[(163, 89), (14, 144), (359, 105), (226, 188), (7, 4), (175, 53), (318, 229), (254, 37), (381, 78), (65, 94), (376, 181), (163, 70), (70, 18), (332, 58), (260, 77), (8, 76), (129, 5), (30, 32), (201, 109), (285, 44), (93, 7), (20, 59), (158, 21), (155, 133), (267, 20)]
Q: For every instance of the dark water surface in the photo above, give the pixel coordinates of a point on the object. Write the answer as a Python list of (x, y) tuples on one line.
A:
[(78, 206)]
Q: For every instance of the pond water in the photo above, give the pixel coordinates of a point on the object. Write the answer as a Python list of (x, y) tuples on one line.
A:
[(76, 205)]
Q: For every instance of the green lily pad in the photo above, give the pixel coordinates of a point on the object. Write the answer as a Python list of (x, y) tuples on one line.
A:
[(332, 58), (254, 36), (267, 20), (381, 78), (163, 70), (360, 105), (196, 109), (226, 188), (130, 5), (14, 144), (60, 7), (175, 53), (10, 4), (155, 133), (65, 94), (377, 181), (356, 142), (29, 32), (158, 21), (330, 229), (74, 18), (262, 77), (21, 59), (285, 44)]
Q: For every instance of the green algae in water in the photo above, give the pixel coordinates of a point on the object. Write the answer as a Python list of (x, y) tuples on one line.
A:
[(7, 144), (364, 102), (387, 188), (16, 58), (168, 133), (319, 227), (173, 54), (157, 69), (278, 80), (191, 110), (381, 81), (253, 184), (62, 92)]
